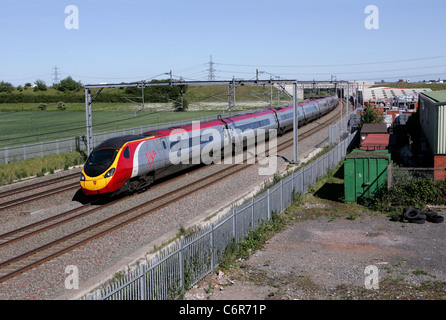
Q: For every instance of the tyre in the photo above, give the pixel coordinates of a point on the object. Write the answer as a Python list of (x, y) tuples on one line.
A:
[(435, 219), (431, 214), (418, 220), (411, 213)]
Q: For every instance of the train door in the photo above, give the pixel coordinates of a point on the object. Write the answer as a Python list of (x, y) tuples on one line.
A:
[(276, 118), (149, 156), (227, 132)]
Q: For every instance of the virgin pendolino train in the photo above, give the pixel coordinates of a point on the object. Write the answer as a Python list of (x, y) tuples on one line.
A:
[(131, 163)]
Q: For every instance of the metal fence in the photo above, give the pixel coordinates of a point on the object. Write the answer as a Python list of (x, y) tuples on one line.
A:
[(402, 175), (339, 130), (188, 260), (50, 148)]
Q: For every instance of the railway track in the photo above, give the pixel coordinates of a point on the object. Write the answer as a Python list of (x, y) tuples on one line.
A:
[(38, 185), (57, 246), (34, 257), (4, 205)]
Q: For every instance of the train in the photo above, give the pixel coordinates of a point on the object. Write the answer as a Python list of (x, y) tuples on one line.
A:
[(131, 163)]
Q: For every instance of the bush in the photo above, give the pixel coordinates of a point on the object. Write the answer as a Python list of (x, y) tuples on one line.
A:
[(413, 193), (371, 115), (61, 106), (68, 84), (40, 85), (6, 87)]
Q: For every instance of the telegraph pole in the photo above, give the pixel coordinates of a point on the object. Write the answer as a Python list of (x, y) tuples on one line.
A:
[(142, 93), (348, 97), (88, 120), (229, 98), (295, 124)]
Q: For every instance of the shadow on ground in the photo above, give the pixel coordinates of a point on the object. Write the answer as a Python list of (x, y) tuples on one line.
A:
[(333, 189)]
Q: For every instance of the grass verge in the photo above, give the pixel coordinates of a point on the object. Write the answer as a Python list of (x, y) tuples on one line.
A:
[(38, 167)]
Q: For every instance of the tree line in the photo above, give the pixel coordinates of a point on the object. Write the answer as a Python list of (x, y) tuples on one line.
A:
[(71, 91)]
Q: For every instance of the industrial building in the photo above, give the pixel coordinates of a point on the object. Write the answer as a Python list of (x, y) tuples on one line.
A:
[(397, 97), (374, 136), (432, 108)]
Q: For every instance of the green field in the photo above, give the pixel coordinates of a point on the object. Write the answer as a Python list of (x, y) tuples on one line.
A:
[(433, 86), (23, 123), (17, 128)]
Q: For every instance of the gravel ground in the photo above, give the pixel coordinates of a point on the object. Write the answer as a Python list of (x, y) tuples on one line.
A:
[(102, 258), (323, 255), (33, 208)]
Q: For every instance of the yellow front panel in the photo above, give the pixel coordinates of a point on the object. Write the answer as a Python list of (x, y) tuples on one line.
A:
[(95, 184)]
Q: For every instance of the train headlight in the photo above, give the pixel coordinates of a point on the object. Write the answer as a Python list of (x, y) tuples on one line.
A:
[(82, 177), (110, 173)]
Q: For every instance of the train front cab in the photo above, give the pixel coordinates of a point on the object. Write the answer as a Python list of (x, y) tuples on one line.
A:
[(109, 165), (99, 170)]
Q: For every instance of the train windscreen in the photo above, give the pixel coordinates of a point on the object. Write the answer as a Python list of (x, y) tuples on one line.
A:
[(99, 161)]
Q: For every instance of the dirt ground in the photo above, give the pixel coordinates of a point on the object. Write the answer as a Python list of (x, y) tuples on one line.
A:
[(334, 251)]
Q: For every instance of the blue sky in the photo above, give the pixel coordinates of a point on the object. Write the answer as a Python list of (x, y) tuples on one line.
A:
[(133, 40)]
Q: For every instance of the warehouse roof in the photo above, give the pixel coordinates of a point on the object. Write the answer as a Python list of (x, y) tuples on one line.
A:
[(438, 96), (388, 93)]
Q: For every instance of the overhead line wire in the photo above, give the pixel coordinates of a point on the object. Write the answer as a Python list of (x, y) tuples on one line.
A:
[(329, 65)]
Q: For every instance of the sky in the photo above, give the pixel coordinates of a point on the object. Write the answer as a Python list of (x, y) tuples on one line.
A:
[(123, 41)]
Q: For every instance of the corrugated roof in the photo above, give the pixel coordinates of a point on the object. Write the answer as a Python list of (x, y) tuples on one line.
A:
[(387, 93), (374, 128), (438, 96), (375, 142)]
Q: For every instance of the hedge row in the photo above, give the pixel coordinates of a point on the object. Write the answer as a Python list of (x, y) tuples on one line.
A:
[(154, 94), (40, 98)]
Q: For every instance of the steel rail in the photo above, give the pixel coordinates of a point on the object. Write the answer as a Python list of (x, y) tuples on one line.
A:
[(38, 185), (76, 239)]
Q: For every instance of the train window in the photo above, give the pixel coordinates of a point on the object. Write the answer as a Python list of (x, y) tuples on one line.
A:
[(127, 153), (254, 125), (101, 156), (173, 143)]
